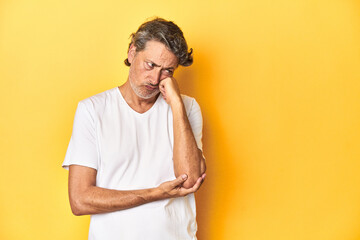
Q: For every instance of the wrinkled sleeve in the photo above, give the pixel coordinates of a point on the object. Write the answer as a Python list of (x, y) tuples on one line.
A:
[(196, 122), (82, 149)]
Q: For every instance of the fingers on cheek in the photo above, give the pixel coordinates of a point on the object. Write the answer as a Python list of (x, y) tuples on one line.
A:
[(162, 90)]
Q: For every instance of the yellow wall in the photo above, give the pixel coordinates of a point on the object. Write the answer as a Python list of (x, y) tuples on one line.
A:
[(278, 83)]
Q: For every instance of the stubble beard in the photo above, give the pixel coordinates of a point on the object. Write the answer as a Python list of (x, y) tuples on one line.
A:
[(141, 94)]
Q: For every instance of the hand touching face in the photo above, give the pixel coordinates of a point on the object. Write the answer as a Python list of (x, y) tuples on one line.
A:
[(170, 90)]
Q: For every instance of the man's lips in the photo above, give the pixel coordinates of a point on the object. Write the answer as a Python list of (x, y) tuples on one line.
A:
[(151, 88)]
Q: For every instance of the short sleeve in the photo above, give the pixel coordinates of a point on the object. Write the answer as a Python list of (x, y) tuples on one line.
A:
[(196, 122), (82, 149)]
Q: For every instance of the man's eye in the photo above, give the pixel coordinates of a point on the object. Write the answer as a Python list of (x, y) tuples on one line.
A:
[(169, 72), (150, 65)]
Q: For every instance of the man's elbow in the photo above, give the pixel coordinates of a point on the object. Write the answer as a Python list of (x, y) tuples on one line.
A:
[(202, 166), (76, 212), (192, 179), (77, 206), (190, 182)]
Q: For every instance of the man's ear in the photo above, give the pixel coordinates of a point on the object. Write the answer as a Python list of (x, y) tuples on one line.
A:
[(131, 53)]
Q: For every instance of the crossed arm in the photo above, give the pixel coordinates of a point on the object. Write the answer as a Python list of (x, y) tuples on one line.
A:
[(189, 166), (86, 198)]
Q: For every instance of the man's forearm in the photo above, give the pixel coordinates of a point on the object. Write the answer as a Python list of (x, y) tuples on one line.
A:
[(186, 155), (93, 200), (96, 200)]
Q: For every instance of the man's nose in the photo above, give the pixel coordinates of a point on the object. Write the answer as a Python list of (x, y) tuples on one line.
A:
[(155, 79)]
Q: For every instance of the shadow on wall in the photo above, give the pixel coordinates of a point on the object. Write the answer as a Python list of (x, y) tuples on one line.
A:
[(212, 199)]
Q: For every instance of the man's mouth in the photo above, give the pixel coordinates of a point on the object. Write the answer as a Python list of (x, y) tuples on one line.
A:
[(150, 87)]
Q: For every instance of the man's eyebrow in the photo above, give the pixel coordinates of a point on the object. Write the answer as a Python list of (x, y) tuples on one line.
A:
[(157, 65)]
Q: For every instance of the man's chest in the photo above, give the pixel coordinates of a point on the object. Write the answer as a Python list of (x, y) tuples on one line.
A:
[(135, 150)]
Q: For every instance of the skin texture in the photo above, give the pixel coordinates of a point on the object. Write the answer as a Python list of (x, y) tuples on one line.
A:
[(150, 73)]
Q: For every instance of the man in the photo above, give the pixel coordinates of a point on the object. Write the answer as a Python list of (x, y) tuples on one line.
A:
[(129, 143)]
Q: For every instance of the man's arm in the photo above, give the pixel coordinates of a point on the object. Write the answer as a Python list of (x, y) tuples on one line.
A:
[(86, 198), (187, 156)]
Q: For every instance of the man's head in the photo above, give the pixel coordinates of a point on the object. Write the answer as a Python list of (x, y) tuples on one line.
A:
[(166, 32), (155, 51)]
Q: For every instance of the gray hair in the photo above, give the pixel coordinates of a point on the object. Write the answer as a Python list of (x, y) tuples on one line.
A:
[(165, 32)]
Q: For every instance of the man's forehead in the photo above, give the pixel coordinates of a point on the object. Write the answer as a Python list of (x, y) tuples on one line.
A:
[(159, 54)]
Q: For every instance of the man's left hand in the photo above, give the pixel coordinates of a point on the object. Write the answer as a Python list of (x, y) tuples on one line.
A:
[(170, 90)]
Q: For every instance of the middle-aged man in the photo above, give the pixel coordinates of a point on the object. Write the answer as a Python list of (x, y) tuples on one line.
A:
[(135, 155)]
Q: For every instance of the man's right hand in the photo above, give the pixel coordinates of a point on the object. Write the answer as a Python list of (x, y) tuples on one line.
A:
[(172, 189)]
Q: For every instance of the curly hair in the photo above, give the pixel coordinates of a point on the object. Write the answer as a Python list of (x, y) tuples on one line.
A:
[(165, 32)]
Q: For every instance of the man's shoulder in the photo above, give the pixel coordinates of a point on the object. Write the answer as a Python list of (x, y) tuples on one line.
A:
[(99, 98), (189, 102), (187, 98), (96, 103)]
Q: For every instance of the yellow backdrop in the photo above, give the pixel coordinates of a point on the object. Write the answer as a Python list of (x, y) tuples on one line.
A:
[(279, 86)]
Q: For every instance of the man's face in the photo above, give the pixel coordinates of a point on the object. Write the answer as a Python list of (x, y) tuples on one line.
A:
[(149, 67)]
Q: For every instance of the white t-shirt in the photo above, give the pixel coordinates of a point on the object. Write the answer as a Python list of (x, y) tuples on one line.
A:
[(130, 151)]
